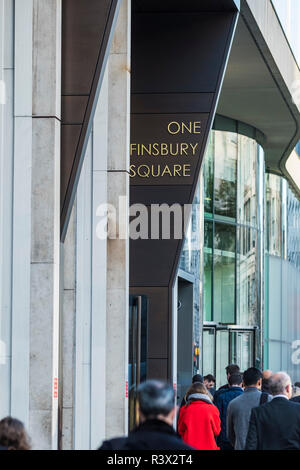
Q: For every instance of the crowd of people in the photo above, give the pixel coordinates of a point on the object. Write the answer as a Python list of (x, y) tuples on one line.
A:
[(254, 411)]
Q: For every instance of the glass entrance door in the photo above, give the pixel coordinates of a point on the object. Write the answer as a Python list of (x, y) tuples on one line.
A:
[(222, 356), (242, 348), (138, 343), (224, 346), (209, 351)]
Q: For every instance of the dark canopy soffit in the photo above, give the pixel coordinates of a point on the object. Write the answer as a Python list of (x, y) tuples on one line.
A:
[(87, 27)]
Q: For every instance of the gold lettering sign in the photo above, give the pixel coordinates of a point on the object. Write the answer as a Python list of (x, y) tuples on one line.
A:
[(179, 152)]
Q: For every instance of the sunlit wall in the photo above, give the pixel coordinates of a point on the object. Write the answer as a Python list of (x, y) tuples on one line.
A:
[(288, 12), (282, 278)]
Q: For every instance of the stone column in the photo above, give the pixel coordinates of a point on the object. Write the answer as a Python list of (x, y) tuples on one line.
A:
[(67, 334), (45, 224), (117, 249)]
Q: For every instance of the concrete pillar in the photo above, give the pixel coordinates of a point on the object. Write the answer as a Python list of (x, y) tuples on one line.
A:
[(21, 209), (68, 342), (117, 249), (45, 224), (6, 195)]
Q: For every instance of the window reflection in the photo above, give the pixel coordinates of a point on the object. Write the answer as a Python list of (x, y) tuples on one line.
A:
[(247, 295), (208, 270), (232, 198), (208, 176), (247, 178), (209, 348), (273, 215), (224, 273), (225, 174), (223, 248)]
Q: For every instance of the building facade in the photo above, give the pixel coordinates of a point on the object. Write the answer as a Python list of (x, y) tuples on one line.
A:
[(231, 241), (87, 313), (282, 277), (243, 249)]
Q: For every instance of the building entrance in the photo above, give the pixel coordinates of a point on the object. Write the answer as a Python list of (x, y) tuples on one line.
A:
[(227, 345), (185, 346), (138, 346)]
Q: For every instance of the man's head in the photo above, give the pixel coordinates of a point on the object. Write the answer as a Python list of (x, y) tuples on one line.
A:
[(235, 380), (267, 374), (197, 378), (232, 369), (209, 381), (281, 384), (252, 377), (265, 379), (156, 401)]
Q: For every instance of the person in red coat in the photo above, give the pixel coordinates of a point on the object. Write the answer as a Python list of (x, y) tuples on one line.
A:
[(199, 420)]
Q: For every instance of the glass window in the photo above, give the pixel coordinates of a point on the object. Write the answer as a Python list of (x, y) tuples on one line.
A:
[(208, 270), (274, 215), (247, 179), (225, 174), (224, 273), (222, 356), (208, 174), (247, 291), (242, 349), (208, 361)]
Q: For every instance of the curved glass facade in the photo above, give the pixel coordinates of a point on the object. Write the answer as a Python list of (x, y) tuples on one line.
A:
[(223, 249), (232, 229), (243, 253)]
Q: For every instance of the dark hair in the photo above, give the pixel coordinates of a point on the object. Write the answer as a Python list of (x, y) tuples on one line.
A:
[(13, 435), (155, 398), (232, 369), (197, 378), (235, 379), (297, 384), (251, 376), (209, 378)]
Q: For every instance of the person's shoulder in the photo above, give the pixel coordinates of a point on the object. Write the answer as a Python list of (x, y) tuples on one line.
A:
[(221, 392), (235, 402), (295, 405), (220, 389), (113, 444), (237, 391), (261, 408), (223, 387), (295, 399), (227, 393), (176, 443)]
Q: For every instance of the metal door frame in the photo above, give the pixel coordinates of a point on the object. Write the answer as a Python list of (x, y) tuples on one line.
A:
[(230, 328)]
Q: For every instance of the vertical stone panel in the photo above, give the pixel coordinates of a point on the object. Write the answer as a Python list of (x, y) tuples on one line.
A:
[(117, 250), (45, 224)]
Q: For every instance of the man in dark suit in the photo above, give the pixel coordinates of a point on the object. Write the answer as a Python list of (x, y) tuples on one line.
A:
[(276, 425), (157, 411)]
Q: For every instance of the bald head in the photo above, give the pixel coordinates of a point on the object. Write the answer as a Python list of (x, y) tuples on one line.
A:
[(280, 384), (267, 374)]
